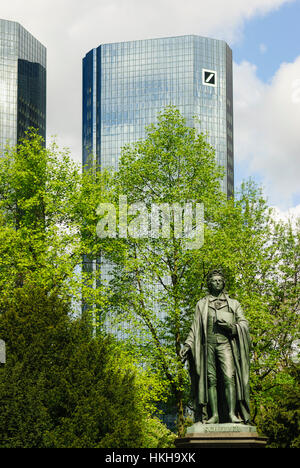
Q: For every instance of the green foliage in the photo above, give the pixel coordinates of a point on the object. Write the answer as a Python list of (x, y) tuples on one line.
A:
[(48, 219), (157, 435), (172, 165), (62, 388), (43, 211), (280, 418)]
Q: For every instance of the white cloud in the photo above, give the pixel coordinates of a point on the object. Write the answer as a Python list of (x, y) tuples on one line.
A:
[(267, 133), (290, 215), (263, 48)]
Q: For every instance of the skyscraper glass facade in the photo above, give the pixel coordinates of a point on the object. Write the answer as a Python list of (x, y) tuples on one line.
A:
[(22, 83), (126, 84)]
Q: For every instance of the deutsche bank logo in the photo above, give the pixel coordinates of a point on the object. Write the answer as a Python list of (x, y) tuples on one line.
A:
[(209, 77)]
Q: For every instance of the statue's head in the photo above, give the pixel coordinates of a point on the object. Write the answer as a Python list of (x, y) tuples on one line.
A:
[(215, 281)]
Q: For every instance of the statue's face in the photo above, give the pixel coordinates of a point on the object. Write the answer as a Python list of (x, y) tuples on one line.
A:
[(216, 284)]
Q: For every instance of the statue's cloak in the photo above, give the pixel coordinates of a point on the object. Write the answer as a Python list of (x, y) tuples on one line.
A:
[(240, 345)]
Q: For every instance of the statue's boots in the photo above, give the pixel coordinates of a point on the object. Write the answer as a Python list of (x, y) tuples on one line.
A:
[(213, 403), (231, 402)]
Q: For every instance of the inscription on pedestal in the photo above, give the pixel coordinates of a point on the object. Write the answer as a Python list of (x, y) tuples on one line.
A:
[(200, 428), (221, 429), (221, 436)]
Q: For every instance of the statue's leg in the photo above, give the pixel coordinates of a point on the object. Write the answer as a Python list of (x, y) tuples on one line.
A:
[(231, 401), (212, 384), (228, 372), (213, 403)]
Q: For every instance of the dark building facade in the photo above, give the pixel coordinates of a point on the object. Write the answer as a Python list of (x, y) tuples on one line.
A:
[(23, 83)]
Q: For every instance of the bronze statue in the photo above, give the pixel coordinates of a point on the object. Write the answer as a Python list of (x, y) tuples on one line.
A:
[(217, 350)]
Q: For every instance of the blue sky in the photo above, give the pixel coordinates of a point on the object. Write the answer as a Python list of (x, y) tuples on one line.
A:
[(263, 34), (267, 42), (270, 40)]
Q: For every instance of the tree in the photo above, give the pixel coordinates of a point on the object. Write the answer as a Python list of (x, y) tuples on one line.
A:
[(63, 388), (173, 165), (43, 211), (280, 417), (157, 281), (62, 385), (51, 215)]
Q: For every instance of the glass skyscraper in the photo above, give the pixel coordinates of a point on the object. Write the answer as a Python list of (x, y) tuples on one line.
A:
[(126, 84), (22, 83)]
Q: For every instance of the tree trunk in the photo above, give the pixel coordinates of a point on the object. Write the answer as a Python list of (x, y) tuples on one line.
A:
[(180, 414)]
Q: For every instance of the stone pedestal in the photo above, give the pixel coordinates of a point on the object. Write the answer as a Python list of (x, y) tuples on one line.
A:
[(221, 436)]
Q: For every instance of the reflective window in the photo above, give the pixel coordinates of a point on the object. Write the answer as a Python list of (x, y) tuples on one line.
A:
[(126, 84), (22, 83)]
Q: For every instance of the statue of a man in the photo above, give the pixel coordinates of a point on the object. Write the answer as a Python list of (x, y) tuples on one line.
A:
[(217, 349)]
